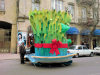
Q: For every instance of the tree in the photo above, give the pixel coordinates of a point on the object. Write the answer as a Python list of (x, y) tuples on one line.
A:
[(95, 20), (92, 18)]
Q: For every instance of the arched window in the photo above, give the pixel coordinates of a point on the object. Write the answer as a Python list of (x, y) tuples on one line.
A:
[(5, 37)]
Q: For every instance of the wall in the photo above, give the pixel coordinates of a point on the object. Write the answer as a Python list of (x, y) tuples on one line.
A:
[(10, 16)]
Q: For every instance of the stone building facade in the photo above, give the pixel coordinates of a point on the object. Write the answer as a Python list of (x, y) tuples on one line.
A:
[(16, 15), (8, 26), (80, 14)]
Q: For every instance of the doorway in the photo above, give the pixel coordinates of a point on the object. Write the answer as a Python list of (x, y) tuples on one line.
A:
[(94, 43), (5, 37)]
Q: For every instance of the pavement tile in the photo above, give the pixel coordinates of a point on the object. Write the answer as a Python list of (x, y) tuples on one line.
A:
[(5, 56)]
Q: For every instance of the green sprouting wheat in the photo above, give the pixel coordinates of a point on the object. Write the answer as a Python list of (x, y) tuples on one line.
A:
[(49, 24)]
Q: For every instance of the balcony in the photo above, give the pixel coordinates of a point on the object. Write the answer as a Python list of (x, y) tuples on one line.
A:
[(82, 21), (88, 21), (2, 12), (36, 1), (86, 2)]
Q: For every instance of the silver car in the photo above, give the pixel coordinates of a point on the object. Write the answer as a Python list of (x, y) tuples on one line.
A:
[(80, 50), (97, 50)]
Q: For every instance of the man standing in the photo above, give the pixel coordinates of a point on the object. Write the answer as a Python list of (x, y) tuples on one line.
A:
[(22, 52)]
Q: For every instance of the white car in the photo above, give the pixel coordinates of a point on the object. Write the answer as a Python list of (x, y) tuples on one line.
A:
[(97, 50), (80, 50)]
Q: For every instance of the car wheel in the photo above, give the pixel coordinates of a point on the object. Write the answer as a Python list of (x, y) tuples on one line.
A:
[(91, 54), (77, 55)]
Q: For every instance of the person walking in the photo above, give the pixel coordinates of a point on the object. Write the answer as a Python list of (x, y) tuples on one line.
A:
[(22, 53)]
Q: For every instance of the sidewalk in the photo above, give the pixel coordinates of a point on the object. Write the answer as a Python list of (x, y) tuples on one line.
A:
[(7, 56)]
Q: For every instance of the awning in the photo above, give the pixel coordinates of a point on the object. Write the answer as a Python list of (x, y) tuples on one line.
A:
[(85, 32), (96, 32), (73, 30)]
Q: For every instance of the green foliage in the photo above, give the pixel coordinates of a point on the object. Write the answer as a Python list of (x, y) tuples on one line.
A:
[(48, 25)]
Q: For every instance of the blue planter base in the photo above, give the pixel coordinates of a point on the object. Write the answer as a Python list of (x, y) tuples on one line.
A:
[(51, 59)]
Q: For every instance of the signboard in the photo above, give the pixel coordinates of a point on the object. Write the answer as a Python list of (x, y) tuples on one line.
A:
[(22, 37)]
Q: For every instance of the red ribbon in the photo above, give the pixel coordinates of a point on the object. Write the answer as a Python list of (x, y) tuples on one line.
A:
[(54, 46)]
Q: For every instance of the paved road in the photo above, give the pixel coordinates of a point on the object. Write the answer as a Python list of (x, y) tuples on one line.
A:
[(80, 66)]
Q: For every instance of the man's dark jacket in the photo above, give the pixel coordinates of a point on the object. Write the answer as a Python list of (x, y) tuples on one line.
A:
[(22, 49)]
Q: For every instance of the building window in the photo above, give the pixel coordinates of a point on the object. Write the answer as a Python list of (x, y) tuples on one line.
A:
[(57, 5), (84, 13), (71, 10), (2, 5), (35, 4)]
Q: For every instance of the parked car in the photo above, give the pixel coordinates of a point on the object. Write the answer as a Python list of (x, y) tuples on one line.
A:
[(80, 50), (97, 50)]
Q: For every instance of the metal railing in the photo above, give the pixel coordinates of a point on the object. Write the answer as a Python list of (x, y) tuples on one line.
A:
[(87, 2), (86, 21)]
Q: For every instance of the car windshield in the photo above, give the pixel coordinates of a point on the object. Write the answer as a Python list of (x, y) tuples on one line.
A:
[(72, 47)]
